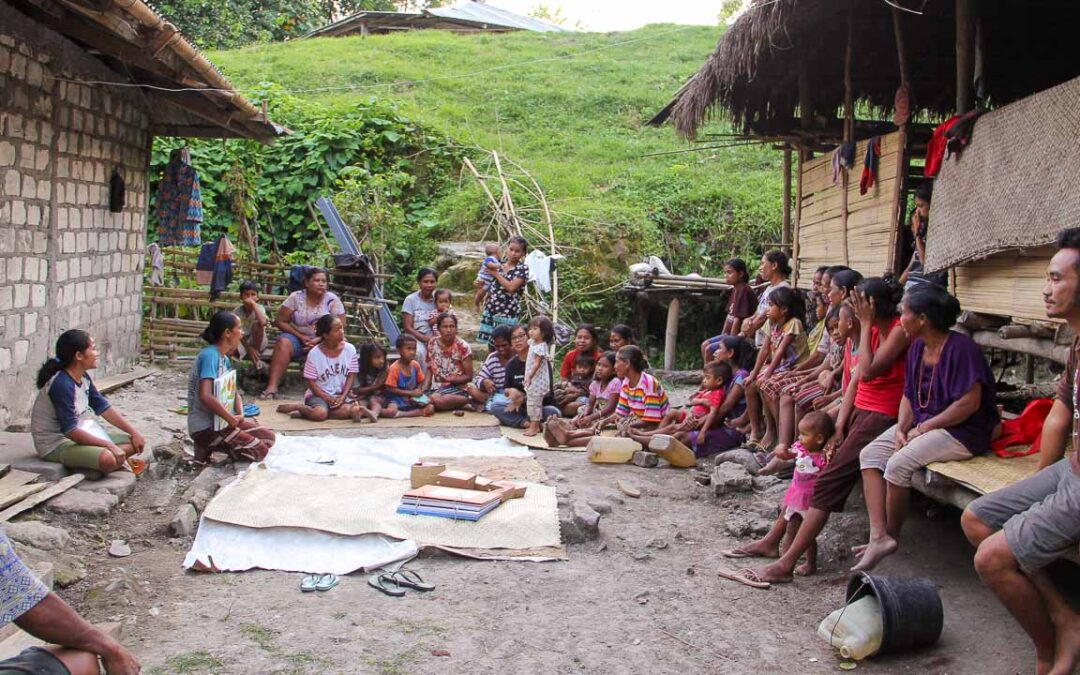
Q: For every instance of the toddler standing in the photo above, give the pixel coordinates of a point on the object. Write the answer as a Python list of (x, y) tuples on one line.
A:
[(484, 277), (538, 370)]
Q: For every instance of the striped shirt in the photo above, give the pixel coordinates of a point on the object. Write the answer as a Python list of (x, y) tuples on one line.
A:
[(494, 370), (647, 401)]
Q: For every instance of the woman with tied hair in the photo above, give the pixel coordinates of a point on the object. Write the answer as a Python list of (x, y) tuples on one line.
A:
[(774, 269), (296, 320), (947, 414), (212, 425), (59, 423)]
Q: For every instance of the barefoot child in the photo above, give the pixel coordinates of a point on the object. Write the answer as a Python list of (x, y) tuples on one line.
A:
[(603, 394), (815, 429), (329, 371), (444, 300), (405, 383), (702, 416), (253, 320), (371, 380), (538, 370), (484, 276)]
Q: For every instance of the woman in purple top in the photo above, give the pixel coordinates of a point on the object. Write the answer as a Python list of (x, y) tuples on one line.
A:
[(947, 414)]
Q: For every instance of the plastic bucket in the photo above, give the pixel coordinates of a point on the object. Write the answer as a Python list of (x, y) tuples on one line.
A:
[(911, 612)]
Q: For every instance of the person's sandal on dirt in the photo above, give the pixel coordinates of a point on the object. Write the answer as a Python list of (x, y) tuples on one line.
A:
[(385, 583), (326, 582), (745, 576), (308, 583), (411, 579)]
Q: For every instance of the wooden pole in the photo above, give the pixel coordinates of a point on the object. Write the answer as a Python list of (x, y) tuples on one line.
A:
[(806, 104), (904, 157), (785, 235), (671, 334), (322, 232), (849, 129), (798, 218), (965, 55)]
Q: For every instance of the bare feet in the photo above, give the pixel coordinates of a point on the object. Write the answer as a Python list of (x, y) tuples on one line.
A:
[(806, 569), (549, 435), (875, 552), (1066, 645), (361, 413), (774, 465), (859, 550), (761, 548), (429, 410), (774, 574), (287, 408)]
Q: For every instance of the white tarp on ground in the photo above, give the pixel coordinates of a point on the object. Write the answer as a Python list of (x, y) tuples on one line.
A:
[(235, 548), (377, 457)]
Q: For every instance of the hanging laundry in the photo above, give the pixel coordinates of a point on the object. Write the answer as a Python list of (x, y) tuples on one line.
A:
[(870, 164), (223, 265), (959, 135), (157, 265), (539, 264), (842, 159), (1025, 430), (204, 266), (935, 149), (902, 105), (179, 203)]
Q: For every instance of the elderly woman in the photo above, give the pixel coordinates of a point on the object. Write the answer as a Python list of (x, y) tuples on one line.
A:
[(947, 414), (502, 306), (492, 376), (450, 364), (296, 320)]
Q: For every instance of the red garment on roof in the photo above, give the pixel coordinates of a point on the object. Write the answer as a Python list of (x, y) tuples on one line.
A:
[(935, 149), (1022, 430)]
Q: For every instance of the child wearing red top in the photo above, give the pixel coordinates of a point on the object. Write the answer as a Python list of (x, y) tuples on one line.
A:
[(702, 415)]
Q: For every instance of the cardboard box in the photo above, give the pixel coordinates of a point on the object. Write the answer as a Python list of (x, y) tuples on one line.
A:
[(457, 479), (424, 474)]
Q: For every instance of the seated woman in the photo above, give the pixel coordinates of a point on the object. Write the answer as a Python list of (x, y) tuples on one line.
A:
[(329, 371), (213, 425), (66, 394), (492, 376), (742, 303), (642, 402), (296, 320), (450, 364), (509, 408), (947, 414), (574, 382), (620, 336)]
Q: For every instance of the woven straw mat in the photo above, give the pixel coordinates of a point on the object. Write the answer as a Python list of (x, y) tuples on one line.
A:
[(271, 418), (354, 506)]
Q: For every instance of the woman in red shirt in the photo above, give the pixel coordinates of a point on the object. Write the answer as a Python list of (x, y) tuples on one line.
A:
[(586, 341)]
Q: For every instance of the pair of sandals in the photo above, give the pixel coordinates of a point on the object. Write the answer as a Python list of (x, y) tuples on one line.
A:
[(318, 582), (395, 584)]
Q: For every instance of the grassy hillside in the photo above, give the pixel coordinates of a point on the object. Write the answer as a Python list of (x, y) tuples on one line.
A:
[(570, 108)]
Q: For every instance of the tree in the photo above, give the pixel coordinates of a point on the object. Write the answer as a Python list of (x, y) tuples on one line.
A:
[(550, 14)]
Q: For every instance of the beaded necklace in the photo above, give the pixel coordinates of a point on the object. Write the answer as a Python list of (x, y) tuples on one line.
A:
[(923, 405)]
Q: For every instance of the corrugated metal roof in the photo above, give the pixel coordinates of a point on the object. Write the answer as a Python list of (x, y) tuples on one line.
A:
[(478, 12)]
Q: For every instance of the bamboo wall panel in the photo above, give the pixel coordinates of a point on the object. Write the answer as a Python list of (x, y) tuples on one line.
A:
[(870, 216), (1007, 284)]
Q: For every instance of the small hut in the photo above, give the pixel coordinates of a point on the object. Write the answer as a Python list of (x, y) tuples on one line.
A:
[(464, 17), (809, 75)]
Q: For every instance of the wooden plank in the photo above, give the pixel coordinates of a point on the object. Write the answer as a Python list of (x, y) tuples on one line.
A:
[(13, 493), (48, 493), (114, 382)]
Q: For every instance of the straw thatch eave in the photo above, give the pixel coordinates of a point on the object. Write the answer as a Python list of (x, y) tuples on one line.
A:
[(752, 77)]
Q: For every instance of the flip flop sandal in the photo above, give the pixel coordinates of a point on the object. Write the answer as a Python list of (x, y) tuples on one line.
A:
[(326, 582), (268, 396), (412, 580), (744, 576), (385, 583), (251, 410), (735, 553), (308, 583)]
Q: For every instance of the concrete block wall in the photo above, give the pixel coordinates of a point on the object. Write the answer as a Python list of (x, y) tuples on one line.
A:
[(66, 261)]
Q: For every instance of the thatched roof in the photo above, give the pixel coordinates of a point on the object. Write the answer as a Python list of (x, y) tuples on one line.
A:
[(1016, 186), (752, 76), (185, 93)]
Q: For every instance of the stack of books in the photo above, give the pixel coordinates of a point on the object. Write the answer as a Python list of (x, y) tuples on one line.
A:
[(449, 502)]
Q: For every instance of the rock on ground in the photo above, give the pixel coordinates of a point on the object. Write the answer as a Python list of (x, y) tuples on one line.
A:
[(579, 523), (120, 484), (184, 521), (83, 503), (731, 478), (38, 535)]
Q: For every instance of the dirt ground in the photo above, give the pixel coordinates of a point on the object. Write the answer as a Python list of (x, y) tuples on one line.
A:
[(643, 598)]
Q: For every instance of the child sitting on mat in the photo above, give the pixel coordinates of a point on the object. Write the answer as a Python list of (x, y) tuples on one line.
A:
[(405, 383), (603, 394), (371, 380), (702, 415), (573, 395), (329, 370), (815, 430)]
